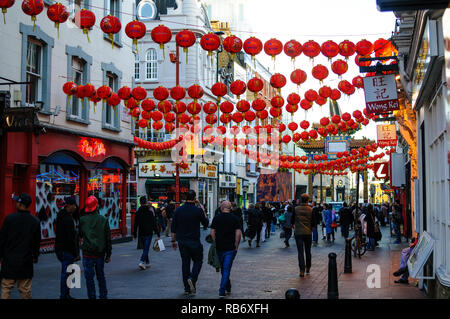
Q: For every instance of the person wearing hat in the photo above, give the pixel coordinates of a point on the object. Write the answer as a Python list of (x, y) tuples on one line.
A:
[(20, 239), (96, 247), (66, 242)]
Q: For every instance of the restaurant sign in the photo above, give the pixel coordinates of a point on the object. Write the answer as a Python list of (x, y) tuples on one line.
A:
[(381, 94), (207, 171), (386, 135), (166, 170)]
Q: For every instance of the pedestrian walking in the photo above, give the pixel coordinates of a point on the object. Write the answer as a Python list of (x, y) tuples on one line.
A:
[(371, 227), (185, 230), (317, 220), (287, 225), (169, 215), (96, 247), (302, 220), (328, 218), (346, 220), (254, 225), (66, 242), (20, 238), (226, 231), (145, 225), (268, 217), (237, 211), (262, 208)]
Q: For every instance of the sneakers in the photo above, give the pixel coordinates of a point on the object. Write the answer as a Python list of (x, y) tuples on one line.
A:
[(302, 274), (191, 286), (307, 271), (141, 265), (286, 243), (400, 272), (222, 295), (401, 281)]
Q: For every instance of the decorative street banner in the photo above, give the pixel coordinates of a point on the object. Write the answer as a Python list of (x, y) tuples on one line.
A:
[(386, 135), (166, 170), (381, 170), (275, 187), (381, 94)]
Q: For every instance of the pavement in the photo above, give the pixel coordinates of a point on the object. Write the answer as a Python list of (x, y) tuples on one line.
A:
[(257, 273)]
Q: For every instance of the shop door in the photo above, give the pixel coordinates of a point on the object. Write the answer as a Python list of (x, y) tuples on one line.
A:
[(19, 178)]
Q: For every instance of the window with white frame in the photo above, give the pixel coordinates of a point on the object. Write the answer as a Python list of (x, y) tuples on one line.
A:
[(113, 8), (34, 71), (137, 73), (111, 81), (77, 78), (151, 65), (74, 6)]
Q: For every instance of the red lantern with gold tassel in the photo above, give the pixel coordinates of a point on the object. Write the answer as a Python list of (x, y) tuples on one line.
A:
[(196, 92), (298, 77), (330, 49), (85, 19), (210, 42), (219, 89), (364, 47), (273, 47), (277, 81), (5, 4), (238, 87), (232, 44), (347, 48), (320, 72), (33, 8), (311, 49), (277, 101), (185, 39), (58, 14), (135, 30), (161, 93), (111, 25), (255, 85), (161, 35), (253, 46), (339, 67), (293, 49), (243, 106)]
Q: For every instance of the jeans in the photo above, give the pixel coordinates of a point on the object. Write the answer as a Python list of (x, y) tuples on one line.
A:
[(66, 260), (287, 233), (304, 248), (345, 230), (226, 261), (406, 252), (92, 267), (146, 241), (268, 229), (315, 235), (371, 243), (396, 227), (190, 250)]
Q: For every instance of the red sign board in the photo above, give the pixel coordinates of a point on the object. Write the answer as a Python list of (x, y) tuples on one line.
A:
[(381, 170), (386, 135), (381, 94), (91, 147)]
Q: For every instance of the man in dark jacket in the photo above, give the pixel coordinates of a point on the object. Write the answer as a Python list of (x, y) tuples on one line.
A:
[(254, 224), (96, 247), (268, 217), (144, 226), (66, 242), (237, 211), (20, 238), (186, 231), (346, 219), (317, 220), (302, 221)]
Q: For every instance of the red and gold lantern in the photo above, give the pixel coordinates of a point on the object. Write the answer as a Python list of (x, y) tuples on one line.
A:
[(33, 8), (293, 49), (178, 93), (339, 67), (330, 49), (161, 93), (111, 25), (238, 87), (255, 85), (85, 19), (298, 76), (139, 93), (5, 4), (277, 81), (185, 39), (219, 89), (320, 72), (161, 35), (196, 92), (243, 106), (311, 49), (273, 47), (232, 44), (210, 42), (58, 14), (135, 30), (364, 47), (347, 48), (253, 46), (311, 95)]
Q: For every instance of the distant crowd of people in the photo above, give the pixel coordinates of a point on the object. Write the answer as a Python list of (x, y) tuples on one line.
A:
[(20, 236)]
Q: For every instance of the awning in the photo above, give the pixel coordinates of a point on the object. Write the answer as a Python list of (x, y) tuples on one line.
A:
[(61, 158), (110, 163), (165, 181)]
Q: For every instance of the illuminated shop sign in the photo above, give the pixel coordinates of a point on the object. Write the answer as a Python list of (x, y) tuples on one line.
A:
[(91, 147)]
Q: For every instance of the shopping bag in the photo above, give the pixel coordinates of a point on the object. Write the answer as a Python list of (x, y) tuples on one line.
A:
[(161, 245), (324, 231)]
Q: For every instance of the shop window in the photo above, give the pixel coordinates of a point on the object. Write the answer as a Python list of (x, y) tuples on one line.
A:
[(132, 198), (53, 183), (110, 111), (34, 71), (137, 74), (111, 115), (151, 65), (77, 77), (113, 7)]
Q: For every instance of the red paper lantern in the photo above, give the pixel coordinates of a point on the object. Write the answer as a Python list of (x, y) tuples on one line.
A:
[(262, 114), (362, 63), (273, 47), (345, 87), (131, 102), (210, 108), (124, 92), (293, 49), (324, 121), (304, 124), (346, 116), (161, 93), (330, 49), (164, 106), (277, 81), (249, 116), (146, 115), (258, 104), (232, 44), (335, 119), (364, 47), (292, 108), (87, 90), (185, 39), (286, 139), (139, 93), (58, 14), (33, 8), (210, 42), (225, 118), (178, 92), (5, 4), (320, 72), (113, 100), (305, 104), (238, 87), (313, 134), (325, 92), (211, 119), (157, 116), (311, 95), (339, 67), (275, 111), (70, 88), (143, 123), (157, 125), (311, 49), (255, 85), (298, 76), (85, 19), (322, 131), (169, 128), (104, 92), (194, 108), (195, 91), (357, 114), (277, 101), (293, 126), (382, 48), (226, 107), (179, 107), (358, 82), (335, 94), (253, 46), (243, 106), (135, 112), (293, 98), (237, 117), (135, 30), (161, 35), (347, 48), (111, 25), (219, 89)]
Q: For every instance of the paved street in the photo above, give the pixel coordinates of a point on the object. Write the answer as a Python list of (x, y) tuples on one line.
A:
[(265, 272)]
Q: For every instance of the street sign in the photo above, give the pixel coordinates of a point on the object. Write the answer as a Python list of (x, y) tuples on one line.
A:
[(381, 170), (386, 135), (381, 94)]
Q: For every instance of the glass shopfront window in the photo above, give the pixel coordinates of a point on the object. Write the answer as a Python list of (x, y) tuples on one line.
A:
[(106, 185), (53, 183)]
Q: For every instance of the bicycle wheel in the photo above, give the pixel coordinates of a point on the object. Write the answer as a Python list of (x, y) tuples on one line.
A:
[(363, 247)]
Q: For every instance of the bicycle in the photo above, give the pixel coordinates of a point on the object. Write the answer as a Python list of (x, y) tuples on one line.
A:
[(358, 242)]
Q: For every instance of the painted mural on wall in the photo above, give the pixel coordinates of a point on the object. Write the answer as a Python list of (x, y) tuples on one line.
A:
[(274, 187), (109, 207)]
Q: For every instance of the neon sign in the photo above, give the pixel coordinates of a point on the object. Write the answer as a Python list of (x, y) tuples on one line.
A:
[(91, 147)]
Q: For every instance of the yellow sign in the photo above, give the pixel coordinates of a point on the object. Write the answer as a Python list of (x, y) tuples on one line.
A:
[(205, 170), (238, 186)]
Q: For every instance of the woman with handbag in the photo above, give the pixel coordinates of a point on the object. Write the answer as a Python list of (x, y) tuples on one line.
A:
[(371, 227)]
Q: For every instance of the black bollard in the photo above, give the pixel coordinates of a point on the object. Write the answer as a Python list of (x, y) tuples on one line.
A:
[(348, 256), (292, 293), (333, 292)]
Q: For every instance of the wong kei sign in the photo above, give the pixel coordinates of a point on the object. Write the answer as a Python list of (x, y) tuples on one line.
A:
[(381, 94)]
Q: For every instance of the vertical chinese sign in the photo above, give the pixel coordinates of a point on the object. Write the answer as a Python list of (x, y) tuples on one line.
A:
[(386, 135), (381, 94)]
